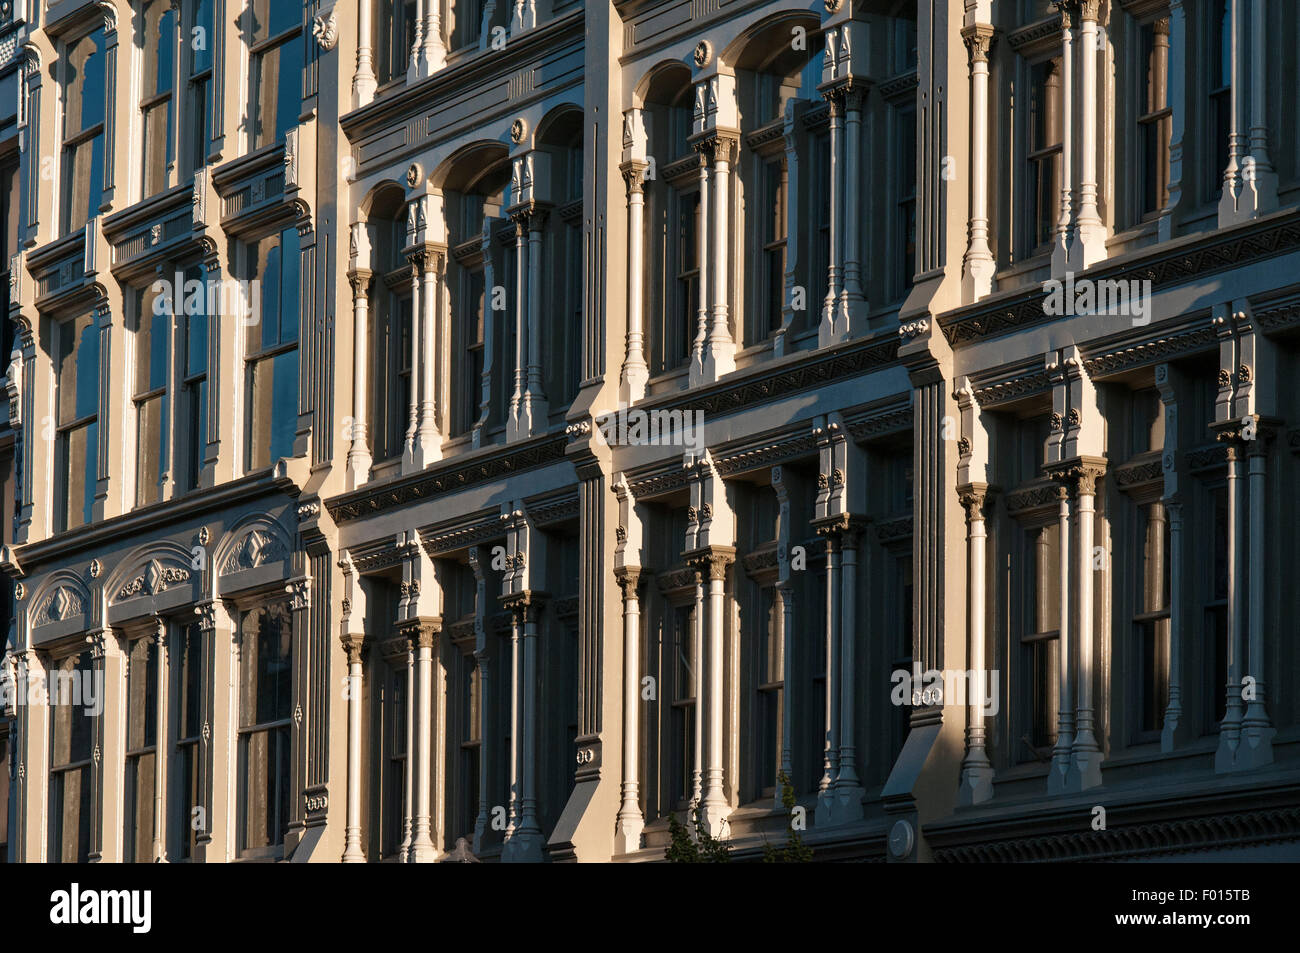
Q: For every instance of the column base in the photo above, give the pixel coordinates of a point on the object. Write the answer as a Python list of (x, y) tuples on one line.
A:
[(1253, 748), (977, 278), (632, 387), (358, 471), (714, 819), (1085, 767), (824, 812), (1088, 247), (1059, 770), (422, 854), (627, 834), (976, 785), (847, 804), (523, 847)]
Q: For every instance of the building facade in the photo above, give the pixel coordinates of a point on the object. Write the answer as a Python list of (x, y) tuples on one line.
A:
[(521, 422)]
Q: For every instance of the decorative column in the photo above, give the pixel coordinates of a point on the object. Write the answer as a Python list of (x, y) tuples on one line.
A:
[(697, 662), (1061, 255), (527, 839), (1230, 210), (535, 395), (791, 181), (977, 274), (635, 372), (364, 83), (411, 456), (1177, 101), (1256, 748), (425, 635), (1230, 727), (785, 588), (1259, 181), (359, 458), (1173, 732), (713, 804), (161, 743), (428, 440), (416, 61), (976, 785), (408, 787), (1085, 753), (825, 812), (720, 357), (1090, 232), (831, 328), (482, 660), (519, 425), (848, 789), (1056, 778), (352, 852), (704, 255), (433, 51), (853, 301), (515, 811), (627, 832)]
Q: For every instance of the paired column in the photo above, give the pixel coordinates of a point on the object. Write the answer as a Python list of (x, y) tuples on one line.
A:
[(425, 635), (1256, 748), (528, 408), (524, 840), (976, 771), (631, 822), (1057, 776), (352, 852), (1085, 752), (710, 689), (977, 275)]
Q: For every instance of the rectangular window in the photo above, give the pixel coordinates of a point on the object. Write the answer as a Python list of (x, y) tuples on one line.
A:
[(1219, 115), (193, 409), (391, 384), (187, 723), (1151, 623), (85, 98), (1155, 118), (141, 749), (265, 707), (197, 114), (471, 744), (820, 252), (156, 81), (152, 369), (77, 437), (906, 203), (680, 323), (771, 682), (1214, 609), (474, 304), (1044, 154), (271, 348), (773, 235), (681, 663), (72, 738), (1040, 642), (394, 25), (394, 767), (276, 54)]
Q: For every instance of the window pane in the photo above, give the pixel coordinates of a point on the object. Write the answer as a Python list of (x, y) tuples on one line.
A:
[(84, 91), (265, 671), (202, 53), (278, 86), (189, 662), (151, 431), (151, 343), (78, 462), (73, 693), (141, 697), (138, 809), (273, 17), (274, 409), (157, 146), (159, 47), (78, 375), (83, 181)]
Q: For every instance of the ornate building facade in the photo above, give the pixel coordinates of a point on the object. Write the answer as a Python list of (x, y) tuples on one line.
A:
[(522, 422)]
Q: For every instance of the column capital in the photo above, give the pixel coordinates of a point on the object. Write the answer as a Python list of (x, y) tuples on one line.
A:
[(421, 632), (844, 528), (359, 279), (975, 499), (629, 578), (353, 642), (634, 171), (1078, 473), (720, 145), (711, 561), (979, 38)]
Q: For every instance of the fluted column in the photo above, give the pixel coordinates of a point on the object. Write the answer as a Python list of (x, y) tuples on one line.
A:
[(1085, 753), (359, 458), (1090, 233), (1257, 731), (786, 591), (1063, 240), (363, 80), (635, 371), (853, 300), (977, 276), (515, 807), (161, 742), (1056, 778), (976, 784), (352, 852), (486, 698), (631, 822), (423, 849)]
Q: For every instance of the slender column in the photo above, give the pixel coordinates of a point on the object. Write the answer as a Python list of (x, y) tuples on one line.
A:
[(422, 846), (519, 424), (1085, 753), (853, 301), (635, 371), (787, 680), (977, 279), (697, 660), (352, 852), (516, 808), (408, 793), (721, 349), (433, 54), (1065, 223), (1090, 235), (1065, 719), (976, 772), (829, 327), (1177, 101), (415, 61), (427, 438), (161, 743), (536, 393), (528, 835), (359, 459), (1229, 207), (627, 833), (714, 807), (1256, 730), (1230, 727), (705, 269), (1259, 186), (411, 459), (481, 659), (364, 83), (831, 756), (848, 790)]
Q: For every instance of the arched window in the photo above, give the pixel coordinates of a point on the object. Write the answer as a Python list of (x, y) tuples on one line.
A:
[(672, 218), (390, 325), (562, 260)]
